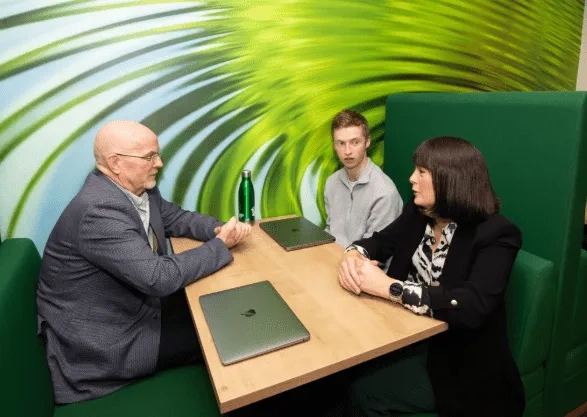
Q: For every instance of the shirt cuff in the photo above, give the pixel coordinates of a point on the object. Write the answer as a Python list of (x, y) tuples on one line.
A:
[(416, 298)]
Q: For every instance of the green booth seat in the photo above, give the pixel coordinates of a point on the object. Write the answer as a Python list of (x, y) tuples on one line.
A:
[(530, 310), (26, 388), (182, 391), (534, 144)]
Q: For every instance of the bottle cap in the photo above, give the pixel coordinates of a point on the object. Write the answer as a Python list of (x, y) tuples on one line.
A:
[(246, 173)]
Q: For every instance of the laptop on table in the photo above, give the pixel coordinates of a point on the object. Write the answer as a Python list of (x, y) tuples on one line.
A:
[(296, 233), (250, 320)]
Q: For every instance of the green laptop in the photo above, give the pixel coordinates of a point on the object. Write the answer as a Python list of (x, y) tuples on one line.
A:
[(250, 320), (296, 233)]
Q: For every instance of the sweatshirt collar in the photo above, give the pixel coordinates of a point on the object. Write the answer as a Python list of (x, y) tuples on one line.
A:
[(363, 177)]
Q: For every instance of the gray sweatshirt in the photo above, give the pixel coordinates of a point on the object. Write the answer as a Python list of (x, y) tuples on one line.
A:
[(356, 210)]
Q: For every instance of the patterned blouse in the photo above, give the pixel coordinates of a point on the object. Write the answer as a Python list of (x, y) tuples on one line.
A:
[(426, 269)]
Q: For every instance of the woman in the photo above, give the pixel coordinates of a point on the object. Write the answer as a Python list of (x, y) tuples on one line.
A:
[(452, 257)]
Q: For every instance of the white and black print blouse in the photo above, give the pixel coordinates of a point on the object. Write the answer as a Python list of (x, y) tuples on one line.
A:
[(426, 269)]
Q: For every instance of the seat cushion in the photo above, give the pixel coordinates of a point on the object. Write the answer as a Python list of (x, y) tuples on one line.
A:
[(534, 383), (578, 327), (178, 392), (577, 361), (575, 386), (575, 392)]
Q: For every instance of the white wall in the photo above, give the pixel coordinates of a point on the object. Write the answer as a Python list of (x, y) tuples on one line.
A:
[(582, 74)]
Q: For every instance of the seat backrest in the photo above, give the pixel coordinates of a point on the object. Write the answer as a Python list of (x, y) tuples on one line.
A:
[(25, 387), (530, 310), (534, 144)]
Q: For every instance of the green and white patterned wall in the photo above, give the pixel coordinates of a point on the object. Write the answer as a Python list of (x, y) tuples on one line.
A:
[(239, 84)]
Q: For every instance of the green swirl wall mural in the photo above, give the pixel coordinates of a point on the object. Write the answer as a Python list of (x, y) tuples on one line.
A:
[(232, 84)]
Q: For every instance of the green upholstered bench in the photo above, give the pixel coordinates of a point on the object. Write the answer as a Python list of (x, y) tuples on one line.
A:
[(530, 310), (182, 391), (25, 387), (536, 151)]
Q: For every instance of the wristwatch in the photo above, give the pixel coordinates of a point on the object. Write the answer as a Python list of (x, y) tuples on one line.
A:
[(395, 291), (359, 249)]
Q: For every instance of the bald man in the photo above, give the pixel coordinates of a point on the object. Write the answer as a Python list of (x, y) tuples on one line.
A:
[(111, 307)]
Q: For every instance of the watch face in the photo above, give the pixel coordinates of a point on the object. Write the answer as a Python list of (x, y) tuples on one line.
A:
[(396, 289)]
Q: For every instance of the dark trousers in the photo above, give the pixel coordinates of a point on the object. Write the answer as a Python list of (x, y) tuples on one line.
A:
[(394, 383), (387, 386), (321, 398), (178, 345)]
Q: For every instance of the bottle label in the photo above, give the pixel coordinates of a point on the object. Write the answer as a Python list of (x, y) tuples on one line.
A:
[(246, 201), (244, 218)]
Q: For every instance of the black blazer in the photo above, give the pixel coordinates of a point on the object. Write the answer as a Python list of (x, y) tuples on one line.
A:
[(471, 367)]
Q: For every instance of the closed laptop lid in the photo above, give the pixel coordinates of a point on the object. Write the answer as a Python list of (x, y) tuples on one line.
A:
[(250, 320), (296, 233)]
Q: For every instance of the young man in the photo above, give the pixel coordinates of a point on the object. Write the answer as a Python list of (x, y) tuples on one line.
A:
[(359, 198)]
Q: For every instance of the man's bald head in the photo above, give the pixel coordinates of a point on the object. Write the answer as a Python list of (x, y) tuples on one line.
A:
[(128, 153), (119, 136)]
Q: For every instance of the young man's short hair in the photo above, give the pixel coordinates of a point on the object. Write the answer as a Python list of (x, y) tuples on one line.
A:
[(349, 118)]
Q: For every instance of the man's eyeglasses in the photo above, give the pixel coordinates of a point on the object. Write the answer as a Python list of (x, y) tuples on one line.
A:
[(149, 158)]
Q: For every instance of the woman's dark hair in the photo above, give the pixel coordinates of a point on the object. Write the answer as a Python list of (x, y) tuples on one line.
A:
[(460, 178)]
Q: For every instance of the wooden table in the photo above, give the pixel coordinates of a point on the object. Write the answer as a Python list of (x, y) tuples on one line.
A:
[(345, 329)]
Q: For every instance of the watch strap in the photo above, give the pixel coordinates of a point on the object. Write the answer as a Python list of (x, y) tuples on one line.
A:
[(359, 249)]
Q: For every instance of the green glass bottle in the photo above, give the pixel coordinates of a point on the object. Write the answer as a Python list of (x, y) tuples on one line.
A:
[(246, 199)]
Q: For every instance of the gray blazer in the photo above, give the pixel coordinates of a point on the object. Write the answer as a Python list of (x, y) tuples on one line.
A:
[(98, 299)]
